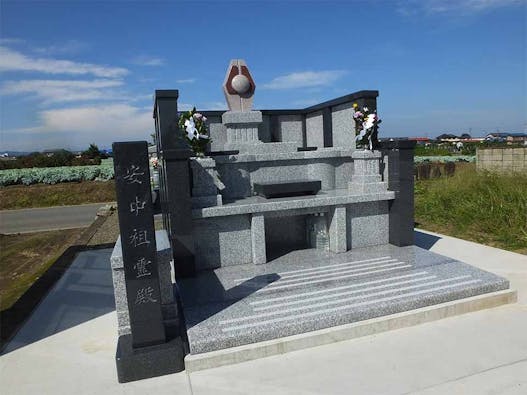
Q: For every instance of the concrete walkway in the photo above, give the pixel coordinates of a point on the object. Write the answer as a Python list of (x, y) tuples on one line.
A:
[(48, 218), (68, 346)]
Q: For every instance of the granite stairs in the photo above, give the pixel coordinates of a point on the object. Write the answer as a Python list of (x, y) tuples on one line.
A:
[(308, 290)]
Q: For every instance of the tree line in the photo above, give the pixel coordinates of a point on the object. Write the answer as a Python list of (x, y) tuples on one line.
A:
[(91, 156)]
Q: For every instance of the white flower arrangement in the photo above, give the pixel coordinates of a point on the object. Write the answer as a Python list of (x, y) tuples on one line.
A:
[(366, 127), (195, 131)]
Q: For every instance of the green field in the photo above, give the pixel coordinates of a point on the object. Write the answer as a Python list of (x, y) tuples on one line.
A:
[(479, 206)]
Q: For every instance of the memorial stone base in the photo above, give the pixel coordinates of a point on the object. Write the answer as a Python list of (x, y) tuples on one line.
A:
[(313, 289), (145, 362)]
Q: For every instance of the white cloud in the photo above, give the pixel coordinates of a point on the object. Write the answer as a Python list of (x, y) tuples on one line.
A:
[(305, 79), (215, 105), (114, 119), (53, 91), (209, 106), (78, 127), (184, 106), (453, 6), (68, 47), (11, 60), (10, 41), (186, 81), (148, 61)]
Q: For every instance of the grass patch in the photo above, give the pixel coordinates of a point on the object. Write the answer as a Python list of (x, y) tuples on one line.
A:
[(480, 206), (64, 194), (25, 257)]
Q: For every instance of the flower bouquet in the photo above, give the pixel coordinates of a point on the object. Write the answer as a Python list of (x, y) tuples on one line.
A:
[(192, 125), (154, 162), (366, 129)]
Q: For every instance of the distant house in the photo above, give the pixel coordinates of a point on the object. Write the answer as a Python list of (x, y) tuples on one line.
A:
[(507, 137), (446, 137), (452, 138)]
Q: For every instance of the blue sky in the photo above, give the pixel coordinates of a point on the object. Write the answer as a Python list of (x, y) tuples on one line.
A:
[(78, 72)]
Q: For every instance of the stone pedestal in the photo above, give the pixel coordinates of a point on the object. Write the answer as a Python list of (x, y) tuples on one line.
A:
[(205, 183), (147, 362), (242, 130), (366, 174)]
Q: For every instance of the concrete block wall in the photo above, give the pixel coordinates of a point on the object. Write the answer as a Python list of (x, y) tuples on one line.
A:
[(503, 160)]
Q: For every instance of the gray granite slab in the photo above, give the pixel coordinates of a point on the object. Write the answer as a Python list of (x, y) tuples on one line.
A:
[(310, 289), (343, 125), (258, 204), (314, 129), (329, 152)]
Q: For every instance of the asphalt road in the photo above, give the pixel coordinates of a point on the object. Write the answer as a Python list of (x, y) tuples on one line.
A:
[(48, 218)]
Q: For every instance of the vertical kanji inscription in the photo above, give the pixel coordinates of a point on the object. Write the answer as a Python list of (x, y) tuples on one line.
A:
[(136, 223)]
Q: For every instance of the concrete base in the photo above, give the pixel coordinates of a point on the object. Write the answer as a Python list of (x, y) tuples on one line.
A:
[(346, 332), (146, 362)]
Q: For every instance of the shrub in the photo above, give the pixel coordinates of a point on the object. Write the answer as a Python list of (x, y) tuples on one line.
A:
[(54, 175)]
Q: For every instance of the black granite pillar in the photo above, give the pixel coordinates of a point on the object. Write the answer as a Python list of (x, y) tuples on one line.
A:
[(175, 181), (400, 158), (151, 349), (138, 242)]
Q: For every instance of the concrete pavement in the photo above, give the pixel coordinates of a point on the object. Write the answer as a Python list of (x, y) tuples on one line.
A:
[(478, 353), (47, 218)]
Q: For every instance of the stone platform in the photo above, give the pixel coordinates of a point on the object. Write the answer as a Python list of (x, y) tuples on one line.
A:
[(310, 290)]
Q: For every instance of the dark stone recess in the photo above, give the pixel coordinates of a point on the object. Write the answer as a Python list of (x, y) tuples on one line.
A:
[(327, 127), (287, 188), (223, 153), (146, 362), (300, 149)]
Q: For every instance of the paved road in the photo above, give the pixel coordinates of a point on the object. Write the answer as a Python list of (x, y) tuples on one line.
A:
[(48, 218)]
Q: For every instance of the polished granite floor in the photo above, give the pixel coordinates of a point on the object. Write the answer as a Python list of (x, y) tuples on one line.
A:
[(308, 290)]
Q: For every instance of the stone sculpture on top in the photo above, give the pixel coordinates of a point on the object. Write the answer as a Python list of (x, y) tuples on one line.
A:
[(241, 122), (239, 86)]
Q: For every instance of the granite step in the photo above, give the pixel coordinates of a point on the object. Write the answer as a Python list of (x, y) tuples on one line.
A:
[(310, 290)]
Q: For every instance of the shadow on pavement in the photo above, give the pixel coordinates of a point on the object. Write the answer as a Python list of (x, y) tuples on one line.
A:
[(76, 289), (424, 240)]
